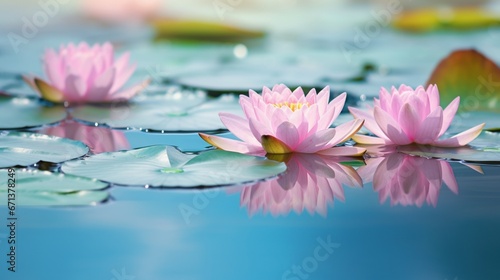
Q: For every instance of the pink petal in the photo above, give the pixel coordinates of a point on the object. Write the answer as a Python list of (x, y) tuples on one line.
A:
[(336, 105), (345, 131), (390, 127), (430, 127), (239, 127), (100, 90), (316, 142), (288, 134), (126, 94), (433, 94), (123, 71), (369, 140), (449, 114), (343, 151), (258, 129), (409, 120), (53, 68), (75, 89), (232, 145), (370, 122), (460, 139)]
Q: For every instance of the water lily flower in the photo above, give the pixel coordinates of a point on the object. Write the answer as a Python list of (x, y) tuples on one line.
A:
[(85, 74), (407, 116), (311, 183), (281, 121), (408, 180)]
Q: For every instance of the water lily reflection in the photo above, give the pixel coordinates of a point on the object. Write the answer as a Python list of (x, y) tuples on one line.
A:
[(408, 180), (310, 183), (98, 139)]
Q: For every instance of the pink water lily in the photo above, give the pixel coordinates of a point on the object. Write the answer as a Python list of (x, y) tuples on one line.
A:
[(83, 73), (281, 121), (407, 116)]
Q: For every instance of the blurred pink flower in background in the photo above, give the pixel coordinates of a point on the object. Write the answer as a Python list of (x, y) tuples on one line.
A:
[(124, 11), (82, 73), (408, 180), (407, 116), (310, 183), (98, 139), (281, 121)]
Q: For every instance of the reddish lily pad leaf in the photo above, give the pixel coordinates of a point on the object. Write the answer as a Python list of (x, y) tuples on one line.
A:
[(470, 75)]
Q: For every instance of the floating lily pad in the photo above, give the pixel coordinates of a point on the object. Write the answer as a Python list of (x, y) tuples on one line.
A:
[(169, 112), (201, 31), (22, 112), (19, 148), (43, 188), (165, 166), (463, 153)]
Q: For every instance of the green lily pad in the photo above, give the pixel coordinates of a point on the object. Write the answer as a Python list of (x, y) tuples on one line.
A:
[(20, 112), (43, 188), (165, 166), (168, 112), (20, 148), (463, 153)]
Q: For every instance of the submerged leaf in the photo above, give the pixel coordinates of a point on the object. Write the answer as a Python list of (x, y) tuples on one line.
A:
[(470, 75), (22, 112), (20, 148), (201, 31), (43, 188), (165, 166), (170, 112)]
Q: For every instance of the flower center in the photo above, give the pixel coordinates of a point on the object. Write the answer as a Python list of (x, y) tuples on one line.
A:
[(292, 106)]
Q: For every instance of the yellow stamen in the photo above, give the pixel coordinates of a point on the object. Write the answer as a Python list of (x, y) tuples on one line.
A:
[(292, 106)]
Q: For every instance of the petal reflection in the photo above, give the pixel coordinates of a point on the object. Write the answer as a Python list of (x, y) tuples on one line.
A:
[(310, 183), (99, 139), (408, 180)]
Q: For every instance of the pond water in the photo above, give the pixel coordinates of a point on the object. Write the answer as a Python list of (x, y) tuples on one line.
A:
[(403, 217)]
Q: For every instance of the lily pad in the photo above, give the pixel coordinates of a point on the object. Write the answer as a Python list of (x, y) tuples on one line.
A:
[(22, 112), (43, 188), (463, 153), (472, 76), (165, 166), (170, 112), (201, 31), (20, 148)]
